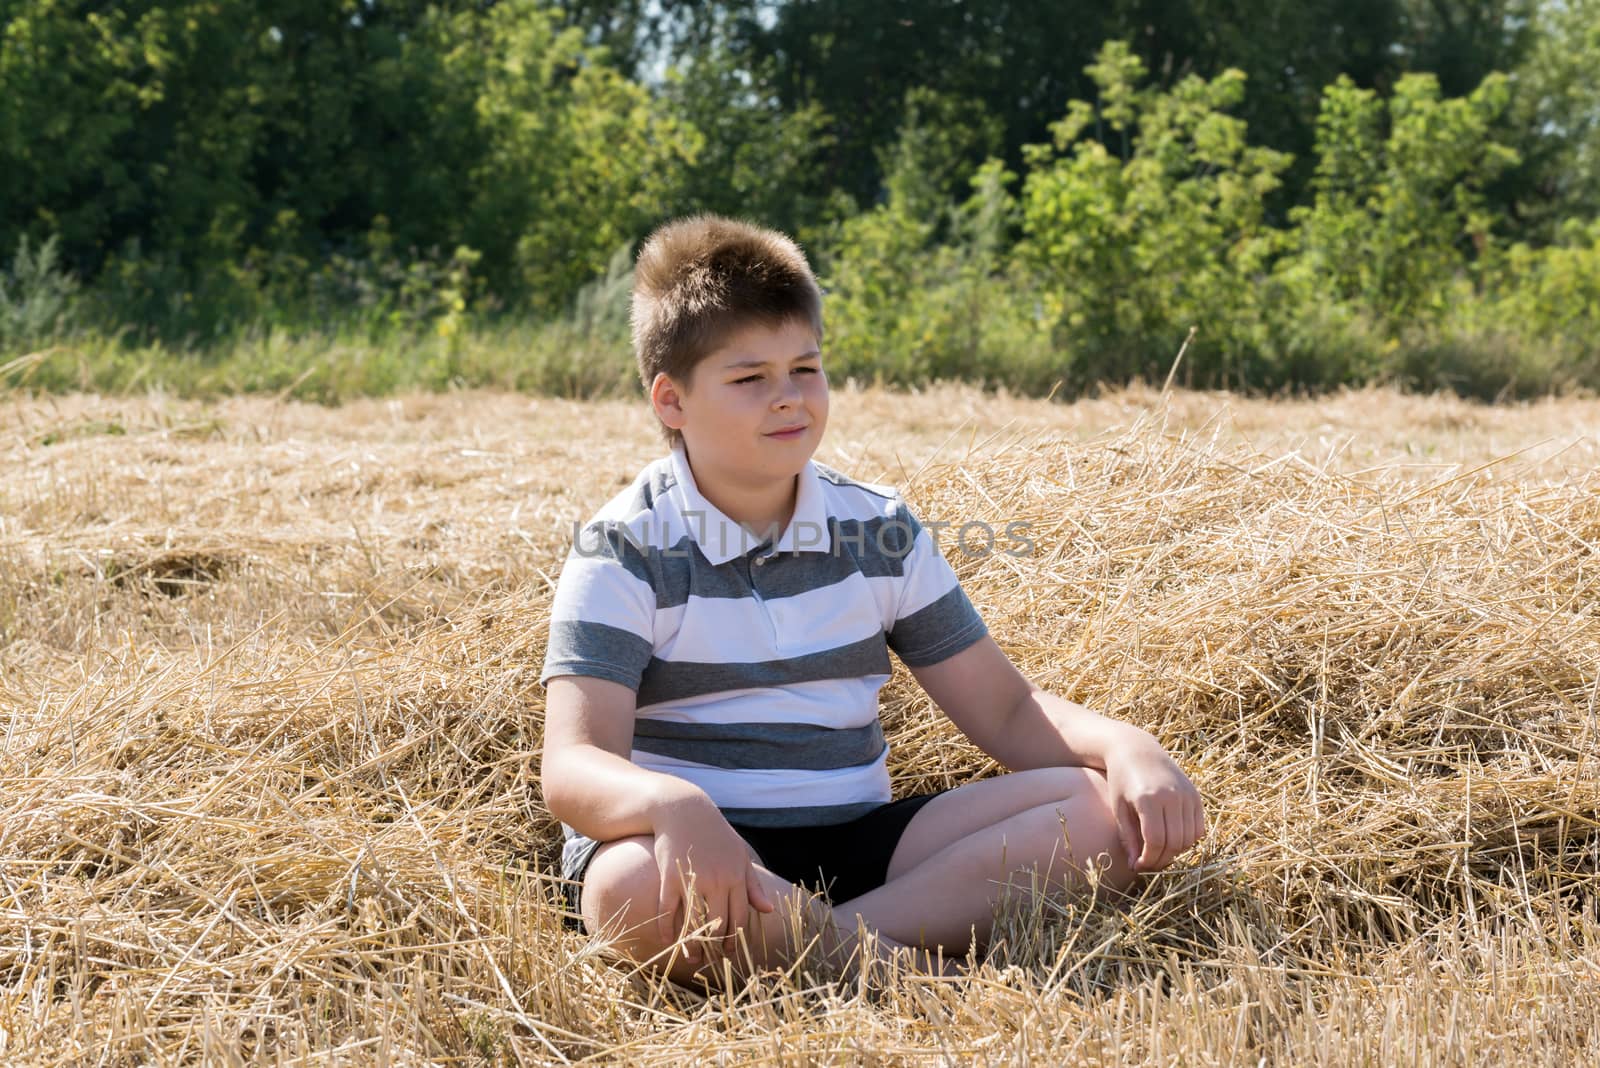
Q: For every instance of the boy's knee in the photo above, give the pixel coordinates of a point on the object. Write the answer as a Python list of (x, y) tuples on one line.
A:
[(622, 894), (1115, 871), (1093, 785), (1093, 834), (621, 903), (1086, 789)]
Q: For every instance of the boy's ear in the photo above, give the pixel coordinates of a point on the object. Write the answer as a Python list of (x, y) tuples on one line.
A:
[(666, 397)]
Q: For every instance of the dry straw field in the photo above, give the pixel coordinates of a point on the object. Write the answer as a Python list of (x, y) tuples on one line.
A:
[(270, 726)]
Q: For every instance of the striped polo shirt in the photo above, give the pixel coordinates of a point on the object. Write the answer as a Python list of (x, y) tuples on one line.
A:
[(758, 665)]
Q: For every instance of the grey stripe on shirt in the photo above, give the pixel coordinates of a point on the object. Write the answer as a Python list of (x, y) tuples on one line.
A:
[(677, 680), (804, 746), (578, 647), (937, 630)]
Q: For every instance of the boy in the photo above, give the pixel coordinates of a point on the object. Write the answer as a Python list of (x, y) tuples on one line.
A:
[(719, 635)]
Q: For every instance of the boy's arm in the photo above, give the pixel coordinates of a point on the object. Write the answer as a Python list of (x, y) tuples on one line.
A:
[(1023, 727), (588, 781), (590, 784)]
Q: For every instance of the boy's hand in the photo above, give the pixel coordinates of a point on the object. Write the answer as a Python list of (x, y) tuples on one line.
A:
[(1159, 814), (706, 872)]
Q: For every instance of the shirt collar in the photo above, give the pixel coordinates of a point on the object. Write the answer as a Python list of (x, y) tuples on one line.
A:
[(721, 539)]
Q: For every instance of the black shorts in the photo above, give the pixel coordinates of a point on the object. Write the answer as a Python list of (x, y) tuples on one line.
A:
[(839, 860)]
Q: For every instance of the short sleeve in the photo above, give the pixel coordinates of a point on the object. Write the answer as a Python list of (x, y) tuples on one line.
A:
[(602, 621), (934, 620)]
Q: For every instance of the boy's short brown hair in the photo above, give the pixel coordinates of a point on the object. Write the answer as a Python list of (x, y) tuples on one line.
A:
[(701, 279)]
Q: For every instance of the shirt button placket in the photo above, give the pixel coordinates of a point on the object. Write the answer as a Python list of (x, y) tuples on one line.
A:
[(758, 565)]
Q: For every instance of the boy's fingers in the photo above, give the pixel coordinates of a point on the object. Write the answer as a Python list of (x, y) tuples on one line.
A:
[(1128, 831), (1182, 824), (1153, 826), (1177, 836), (1172, 819), (1182, 833), (756, 892), (694, 907), (719, 921), (1186, 820), (697, 917)]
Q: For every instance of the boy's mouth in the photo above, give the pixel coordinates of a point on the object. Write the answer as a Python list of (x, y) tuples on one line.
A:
[(788, 432)]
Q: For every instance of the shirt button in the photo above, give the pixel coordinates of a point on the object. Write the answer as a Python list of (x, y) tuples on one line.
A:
[(760, 560)]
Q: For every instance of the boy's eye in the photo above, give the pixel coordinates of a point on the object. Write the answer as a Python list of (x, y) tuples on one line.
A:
[(757, 378)]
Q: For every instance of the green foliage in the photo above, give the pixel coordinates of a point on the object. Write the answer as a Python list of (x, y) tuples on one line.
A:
[(942, 139), (1551, 297), (1400, 210), (337, 365), (856, 59), (1462, 41), (579, 160), (1131, 250), (1556, 290), (189, 125), (201, 154), (376, 288), (597, 332), (759, 159), (903, 307), (439, 192), (36, 297), (1554, 120)]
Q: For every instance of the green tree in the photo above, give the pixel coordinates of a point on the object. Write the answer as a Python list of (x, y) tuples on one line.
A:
[(1133, 248), (1400, 210), (186, 143), (643, 37), (921, 286), (210, 157), (1021, 60), (1461, 42), (190, 124), (577, 160), (759, 159), (1554, 120)]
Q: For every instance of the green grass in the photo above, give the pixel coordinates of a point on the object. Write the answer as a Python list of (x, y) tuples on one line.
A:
[(329, 367), (566, 358)]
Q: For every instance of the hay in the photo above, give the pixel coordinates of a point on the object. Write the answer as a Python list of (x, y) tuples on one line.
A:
[(270, 723)]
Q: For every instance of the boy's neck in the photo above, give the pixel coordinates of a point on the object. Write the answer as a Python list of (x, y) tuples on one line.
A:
[(763, 510)]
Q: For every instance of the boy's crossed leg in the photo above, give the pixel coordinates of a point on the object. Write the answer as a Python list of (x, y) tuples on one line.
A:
[(962, 849), (946, 875), (620, 899)]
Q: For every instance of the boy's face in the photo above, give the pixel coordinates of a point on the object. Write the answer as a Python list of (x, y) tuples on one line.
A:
[(764, 380)]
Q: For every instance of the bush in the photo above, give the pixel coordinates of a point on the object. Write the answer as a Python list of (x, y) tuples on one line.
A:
[(903, 311), (1399, 213), (36, 298), (1134, 247)]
